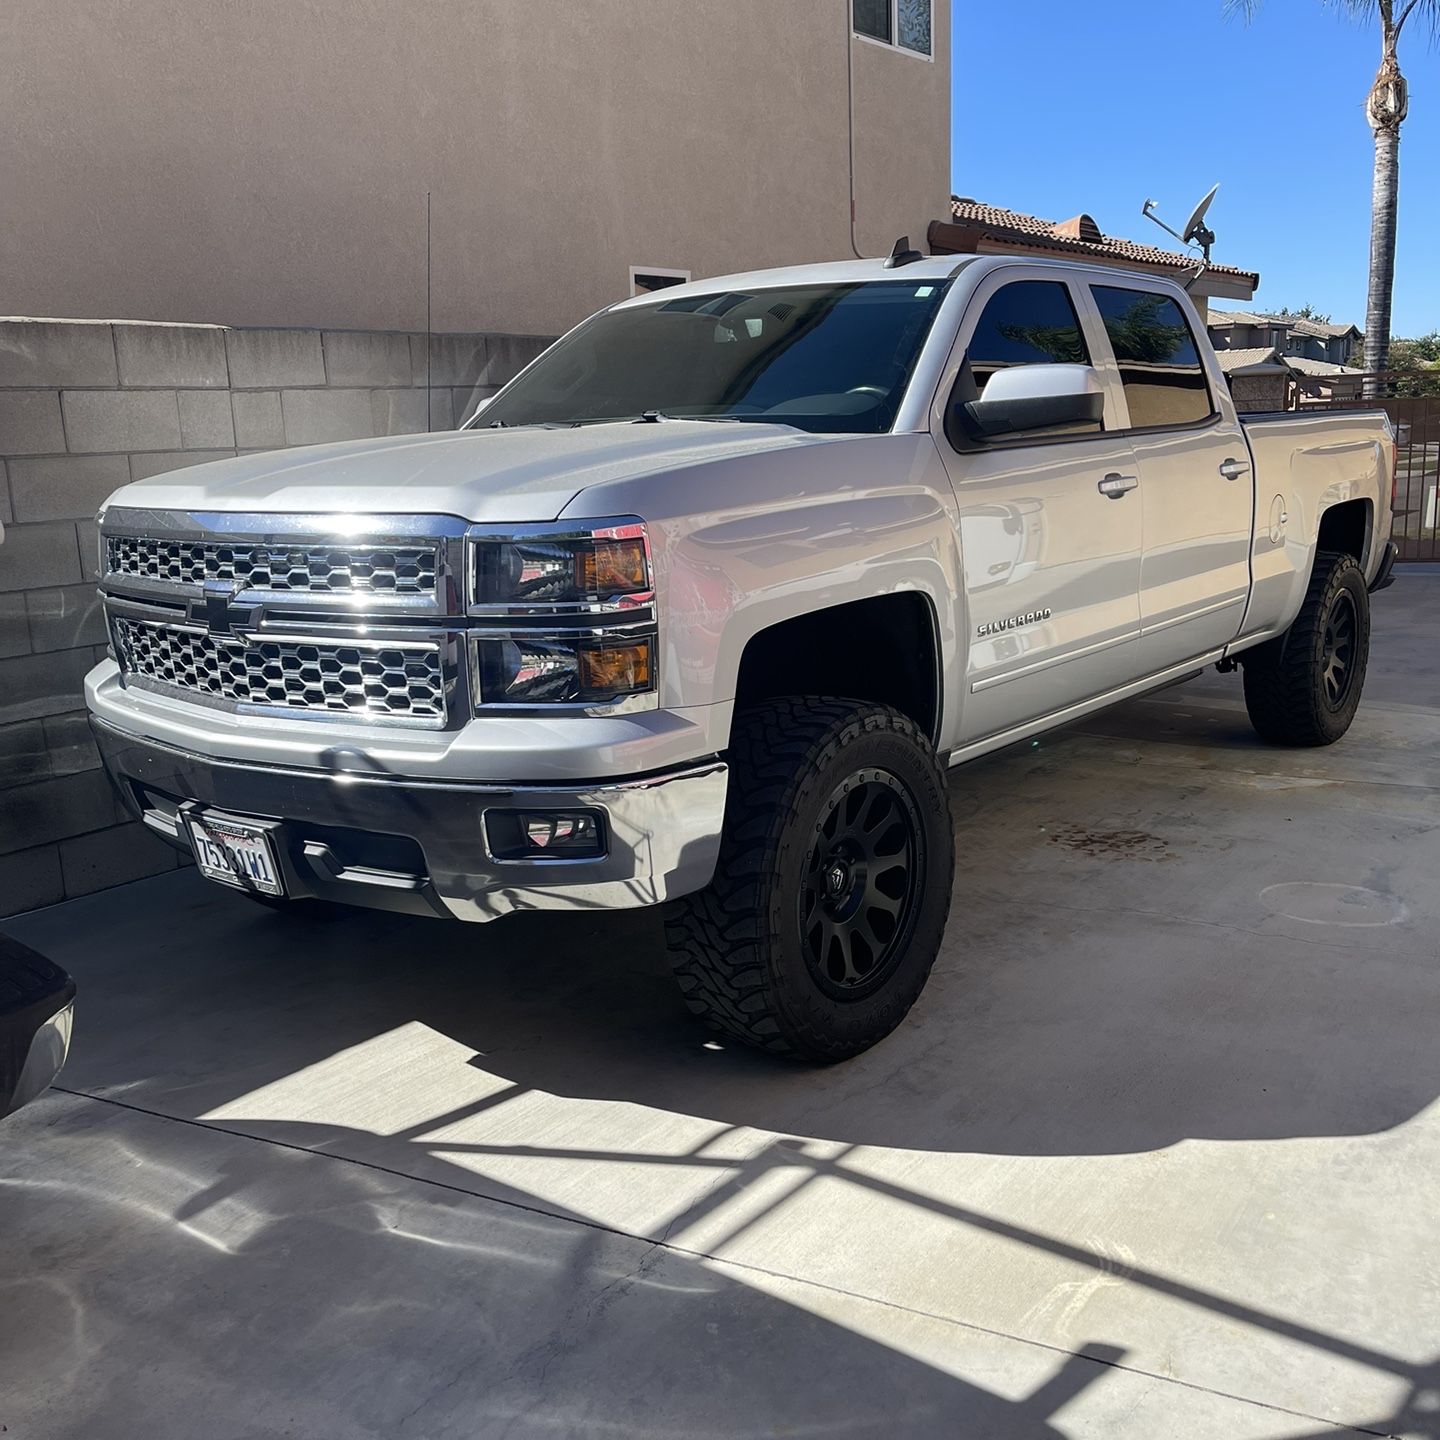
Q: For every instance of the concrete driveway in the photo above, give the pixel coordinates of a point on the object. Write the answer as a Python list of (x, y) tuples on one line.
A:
[(1156, 1155)]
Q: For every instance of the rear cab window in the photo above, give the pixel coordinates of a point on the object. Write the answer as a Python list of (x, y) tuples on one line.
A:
[(1160, 366)]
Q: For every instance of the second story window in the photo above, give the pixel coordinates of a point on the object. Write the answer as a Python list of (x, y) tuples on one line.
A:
[(905, 23)]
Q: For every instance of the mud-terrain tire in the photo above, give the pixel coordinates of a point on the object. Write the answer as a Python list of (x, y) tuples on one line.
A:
[(832, 887), (1303, 688)]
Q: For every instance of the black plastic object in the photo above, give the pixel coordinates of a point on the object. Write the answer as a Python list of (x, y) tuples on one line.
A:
[(33, 990), (902, 254)]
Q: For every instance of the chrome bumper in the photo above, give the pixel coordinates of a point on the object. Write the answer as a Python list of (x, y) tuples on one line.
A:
[(349, 837), (44, 1060)]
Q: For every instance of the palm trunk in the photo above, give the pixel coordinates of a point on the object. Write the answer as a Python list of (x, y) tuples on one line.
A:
[(1386, 107), (1383, 205)]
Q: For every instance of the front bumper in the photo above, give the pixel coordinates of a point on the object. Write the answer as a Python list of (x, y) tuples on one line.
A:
[(420, 846)]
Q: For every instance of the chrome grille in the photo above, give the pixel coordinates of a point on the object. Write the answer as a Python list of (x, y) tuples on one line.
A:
[(401, 681), (326, 569)]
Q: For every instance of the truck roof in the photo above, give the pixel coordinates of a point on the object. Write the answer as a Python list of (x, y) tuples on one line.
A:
[(829, 272), (842, 272)]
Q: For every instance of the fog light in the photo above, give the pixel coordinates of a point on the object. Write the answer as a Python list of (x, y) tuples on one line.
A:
[(542, 834), (559, 832)]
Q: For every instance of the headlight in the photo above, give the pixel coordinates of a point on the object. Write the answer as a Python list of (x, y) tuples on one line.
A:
[(524, 669), (536, 572), (596, 585)]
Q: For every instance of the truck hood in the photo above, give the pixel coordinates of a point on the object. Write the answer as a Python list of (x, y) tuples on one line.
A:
[(518, 475)]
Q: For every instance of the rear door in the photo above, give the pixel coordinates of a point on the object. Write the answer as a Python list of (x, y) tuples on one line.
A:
[(1196, 482), (1052, 563)]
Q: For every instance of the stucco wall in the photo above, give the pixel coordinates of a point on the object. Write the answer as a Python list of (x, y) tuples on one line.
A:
[(86, 407), (265, 162)]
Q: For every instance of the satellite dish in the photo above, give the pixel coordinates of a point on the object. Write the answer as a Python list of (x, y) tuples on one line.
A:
[(1196, 231)]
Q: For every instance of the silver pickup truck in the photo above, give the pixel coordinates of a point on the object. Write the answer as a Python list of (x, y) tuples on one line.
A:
[(703, 605)]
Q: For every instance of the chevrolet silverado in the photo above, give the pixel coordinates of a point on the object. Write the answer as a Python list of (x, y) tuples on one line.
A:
[(702, 606)]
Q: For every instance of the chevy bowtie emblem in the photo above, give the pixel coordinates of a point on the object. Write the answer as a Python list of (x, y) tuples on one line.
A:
[(221, 614)]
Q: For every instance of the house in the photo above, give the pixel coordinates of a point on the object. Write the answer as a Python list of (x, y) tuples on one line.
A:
[(268, 165), (976, 228), (1294, 335), (1259, 378), (1319, 380)]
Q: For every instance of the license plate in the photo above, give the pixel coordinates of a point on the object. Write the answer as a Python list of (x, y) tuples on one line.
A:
[(235, 852)]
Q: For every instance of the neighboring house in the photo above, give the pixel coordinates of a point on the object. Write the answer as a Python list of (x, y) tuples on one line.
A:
[(1265, 378), (268, 165), (1293, 335), (1259, 378), (974, 228), (1321, 380)]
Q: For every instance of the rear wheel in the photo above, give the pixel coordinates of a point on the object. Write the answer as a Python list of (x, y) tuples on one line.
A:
[(831, 892), (1304, 687)]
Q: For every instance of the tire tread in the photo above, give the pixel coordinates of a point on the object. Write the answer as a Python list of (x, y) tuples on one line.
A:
[(1282, 691), (718, 937)]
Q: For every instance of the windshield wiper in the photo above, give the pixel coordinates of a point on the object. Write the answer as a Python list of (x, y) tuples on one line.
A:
[(653, 417)]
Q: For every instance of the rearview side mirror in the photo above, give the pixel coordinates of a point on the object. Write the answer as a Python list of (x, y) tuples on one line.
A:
[(1027, 398)]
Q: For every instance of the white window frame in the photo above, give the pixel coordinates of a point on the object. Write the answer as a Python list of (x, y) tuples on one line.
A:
[(895, 31), (681, 277)]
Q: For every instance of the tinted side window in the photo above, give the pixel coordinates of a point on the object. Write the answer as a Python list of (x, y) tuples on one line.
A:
[(1031, 322), (1028, 322), (1159, 365)]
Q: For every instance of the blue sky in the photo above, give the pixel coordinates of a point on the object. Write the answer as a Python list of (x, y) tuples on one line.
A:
[(1062, 106)]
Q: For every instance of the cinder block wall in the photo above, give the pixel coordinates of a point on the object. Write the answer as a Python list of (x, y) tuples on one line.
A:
[(85, 407)]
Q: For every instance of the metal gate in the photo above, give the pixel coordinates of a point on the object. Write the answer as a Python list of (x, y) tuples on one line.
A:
[(1412, 402)]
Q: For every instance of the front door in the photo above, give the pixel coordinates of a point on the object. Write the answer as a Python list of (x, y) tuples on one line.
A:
[(1196, 484), (1050, 542)]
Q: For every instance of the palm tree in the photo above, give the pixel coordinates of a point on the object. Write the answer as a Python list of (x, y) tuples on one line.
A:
[(1386, 107)]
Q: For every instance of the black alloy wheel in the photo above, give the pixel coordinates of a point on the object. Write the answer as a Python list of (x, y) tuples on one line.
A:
[(1303, 687), (858, 896), (1337, 651)]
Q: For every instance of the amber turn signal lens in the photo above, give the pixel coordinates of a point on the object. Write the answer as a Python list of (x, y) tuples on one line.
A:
[(617, 669), (612, 567)]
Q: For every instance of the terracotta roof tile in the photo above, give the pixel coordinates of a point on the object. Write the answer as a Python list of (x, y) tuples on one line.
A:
[(1000, 224)]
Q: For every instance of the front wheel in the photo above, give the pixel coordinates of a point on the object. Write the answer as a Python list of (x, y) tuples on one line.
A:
[(1304, 687), (832, 887)]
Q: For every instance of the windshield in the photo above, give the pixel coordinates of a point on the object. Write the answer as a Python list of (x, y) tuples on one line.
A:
[(818, 357)]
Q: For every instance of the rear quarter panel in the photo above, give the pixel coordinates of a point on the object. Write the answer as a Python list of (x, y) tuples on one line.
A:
[(1304, 464)]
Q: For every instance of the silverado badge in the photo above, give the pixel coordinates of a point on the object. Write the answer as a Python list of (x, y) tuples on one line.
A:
[(1012, 622)]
